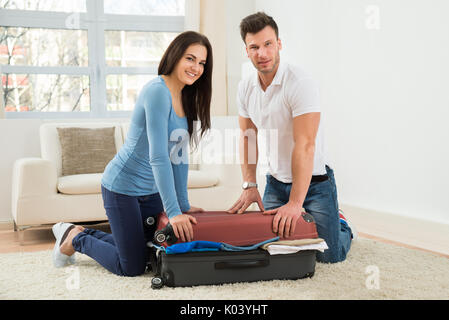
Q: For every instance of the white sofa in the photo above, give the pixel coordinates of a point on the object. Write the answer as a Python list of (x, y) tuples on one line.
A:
[(41, 196)]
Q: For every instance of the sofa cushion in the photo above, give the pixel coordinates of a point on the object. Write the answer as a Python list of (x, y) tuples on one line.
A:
[(51, 146), (80, 183), (200, 179), (91, 183), (86, 150)]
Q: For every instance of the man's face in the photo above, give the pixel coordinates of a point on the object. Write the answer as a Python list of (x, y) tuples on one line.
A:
[(263, 49)]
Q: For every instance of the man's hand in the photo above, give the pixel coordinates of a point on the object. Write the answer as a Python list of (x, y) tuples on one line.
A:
[(182, 226), (247, 197), (195, 209), (285, 219)]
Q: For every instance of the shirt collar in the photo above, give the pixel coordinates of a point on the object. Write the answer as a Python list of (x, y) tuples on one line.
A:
[(277, 80)]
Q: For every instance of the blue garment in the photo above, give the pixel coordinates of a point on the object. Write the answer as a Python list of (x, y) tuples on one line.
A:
[(154, 157), (201, 245), (321, 202), (123, 252), (193, 246), (228, 247)]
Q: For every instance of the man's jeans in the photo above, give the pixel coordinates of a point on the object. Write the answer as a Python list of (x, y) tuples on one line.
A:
[(321, 202)]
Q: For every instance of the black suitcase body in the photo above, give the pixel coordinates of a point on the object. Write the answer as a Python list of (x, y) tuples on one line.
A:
[(218, 267)]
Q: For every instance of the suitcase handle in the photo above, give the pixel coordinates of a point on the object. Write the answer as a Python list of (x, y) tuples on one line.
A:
[(239, 264)]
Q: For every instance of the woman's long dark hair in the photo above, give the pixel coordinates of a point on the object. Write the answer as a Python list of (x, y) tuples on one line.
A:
[(196, 98)]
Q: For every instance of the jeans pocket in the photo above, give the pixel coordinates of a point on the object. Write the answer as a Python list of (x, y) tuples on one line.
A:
[(322, 187)]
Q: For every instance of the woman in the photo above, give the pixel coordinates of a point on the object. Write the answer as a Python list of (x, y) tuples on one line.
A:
[(149, 173)]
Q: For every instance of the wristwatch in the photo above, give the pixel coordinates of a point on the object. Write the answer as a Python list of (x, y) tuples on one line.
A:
[(247, 185)]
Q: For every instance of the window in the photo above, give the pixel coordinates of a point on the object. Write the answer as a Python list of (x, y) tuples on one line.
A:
[(82, 58)]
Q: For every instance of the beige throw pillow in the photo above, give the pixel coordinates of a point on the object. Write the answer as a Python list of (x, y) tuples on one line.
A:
[(86, 150)]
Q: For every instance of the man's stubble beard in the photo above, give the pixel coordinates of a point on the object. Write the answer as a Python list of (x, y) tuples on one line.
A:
[(276, 63)]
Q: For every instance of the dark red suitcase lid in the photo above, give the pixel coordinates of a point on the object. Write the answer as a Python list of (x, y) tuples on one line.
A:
[(241, 229)]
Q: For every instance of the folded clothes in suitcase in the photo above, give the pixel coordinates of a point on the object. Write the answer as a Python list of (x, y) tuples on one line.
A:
[(219, 267), (234, 229)]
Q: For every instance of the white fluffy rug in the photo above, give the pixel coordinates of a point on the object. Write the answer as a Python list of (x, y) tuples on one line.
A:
[(373, 270)]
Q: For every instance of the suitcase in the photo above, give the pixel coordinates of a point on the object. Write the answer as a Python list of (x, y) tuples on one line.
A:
[(219, 267), (234, 229)]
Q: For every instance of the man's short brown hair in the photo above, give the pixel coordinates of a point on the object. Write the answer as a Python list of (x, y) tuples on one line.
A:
[(256, 22)]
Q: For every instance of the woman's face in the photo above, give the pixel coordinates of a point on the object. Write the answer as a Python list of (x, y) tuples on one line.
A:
[(191, 65)]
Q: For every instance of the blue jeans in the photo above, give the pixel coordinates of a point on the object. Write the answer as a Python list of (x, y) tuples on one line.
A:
[(123, 252), (321, 202)]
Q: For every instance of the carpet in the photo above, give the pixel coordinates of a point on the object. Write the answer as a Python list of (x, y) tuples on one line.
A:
[(372, 270)]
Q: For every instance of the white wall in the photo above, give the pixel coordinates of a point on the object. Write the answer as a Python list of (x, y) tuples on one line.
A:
[(236, 10), (383, 69)]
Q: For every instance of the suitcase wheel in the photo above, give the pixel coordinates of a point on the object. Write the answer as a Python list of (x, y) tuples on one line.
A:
[(150, 221), (165, 235), (156, 283), (308, 217), (159, 237)]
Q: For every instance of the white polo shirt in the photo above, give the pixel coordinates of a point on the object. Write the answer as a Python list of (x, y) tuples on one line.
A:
[(292, 93)]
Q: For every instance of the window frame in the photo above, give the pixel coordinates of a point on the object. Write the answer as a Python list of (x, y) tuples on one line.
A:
[(95, 22)]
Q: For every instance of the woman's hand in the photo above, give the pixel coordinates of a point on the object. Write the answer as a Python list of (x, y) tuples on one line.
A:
[(182, 226)]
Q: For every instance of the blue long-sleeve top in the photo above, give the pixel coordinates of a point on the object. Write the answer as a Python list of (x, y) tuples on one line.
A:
[(154, 156)]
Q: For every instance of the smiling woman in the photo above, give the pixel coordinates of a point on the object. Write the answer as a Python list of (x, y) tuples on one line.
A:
[(145, 177), (189, 67), (191, 52)]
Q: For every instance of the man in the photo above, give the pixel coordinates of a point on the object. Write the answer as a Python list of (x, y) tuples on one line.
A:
[(283, 97)]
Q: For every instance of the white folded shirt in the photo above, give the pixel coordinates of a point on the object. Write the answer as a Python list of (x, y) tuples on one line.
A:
[(282, 249)]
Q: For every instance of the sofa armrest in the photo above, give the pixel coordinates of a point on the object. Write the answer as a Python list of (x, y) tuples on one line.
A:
[(33, 177)]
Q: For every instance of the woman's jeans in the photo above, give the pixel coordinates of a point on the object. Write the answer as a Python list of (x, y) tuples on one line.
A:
[(123, 252), (321, 202)]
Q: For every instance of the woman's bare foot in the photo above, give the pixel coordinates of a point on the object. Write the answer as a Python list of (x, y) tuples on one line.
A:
[(66, 246)]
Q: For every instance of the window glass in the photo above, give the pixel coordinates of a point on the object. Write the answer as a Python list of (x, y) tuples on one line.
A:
[(135, 49), (45, 93), (43, 47), (145, 7), (45, 5), (123, 89)]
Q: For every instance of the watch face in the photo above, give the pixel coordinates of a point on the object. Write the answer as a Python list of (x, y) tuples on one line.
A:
[(245, 185)]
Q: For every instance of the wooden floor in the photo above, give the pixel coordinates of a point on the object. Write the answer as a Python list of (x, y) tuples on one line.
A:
[(35, 239), (38, 239)]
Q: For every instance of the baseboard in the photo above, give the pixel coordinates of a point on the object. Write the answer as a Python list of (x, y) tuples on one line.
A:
[(7, 225), (413, 232)]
